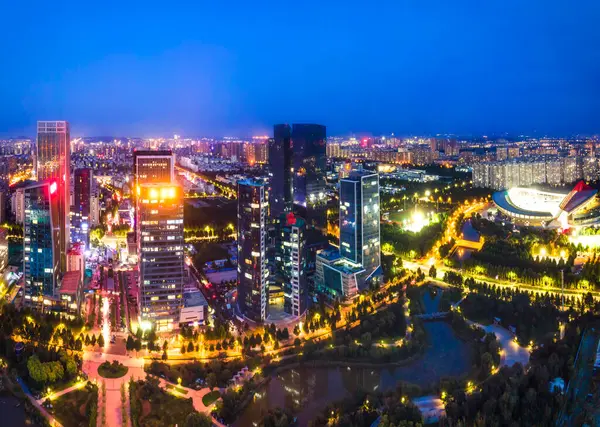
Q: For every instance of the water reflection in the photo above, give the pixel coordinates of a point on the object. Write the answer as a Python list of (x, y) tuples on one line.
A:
[(306, 391)]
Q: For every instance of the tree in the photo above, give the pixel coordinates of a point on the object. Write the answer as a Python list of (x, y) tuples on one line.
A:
[(101, 340), (97, 232), (69, 363), (130, 343), (93, 340), (182, 348), (196, 419), (190, 347), (164, 355), (297, 342), (165, 345), (211, 381), (432, 272)]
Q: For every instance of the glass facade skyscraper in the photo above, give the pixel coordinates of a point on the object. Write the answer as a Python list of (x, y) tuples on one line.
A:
[(160, 249), (309, 163), (360, 220), (280, 163), (53, 162), (253, 292), (80, 213), (41, 245)]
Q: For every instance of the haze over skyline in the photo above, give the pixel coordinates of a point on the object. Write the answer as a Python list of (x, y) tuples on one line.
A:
[(147, 69)]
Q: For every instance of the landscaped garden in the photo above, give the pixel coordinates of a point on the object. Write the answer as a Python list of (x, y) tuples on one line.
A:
[(78, 407), (153, 406), (112, 370)]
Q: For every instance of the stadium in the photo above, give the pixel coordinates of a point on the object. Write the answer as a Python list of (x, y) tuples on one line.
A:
[(577, 208)]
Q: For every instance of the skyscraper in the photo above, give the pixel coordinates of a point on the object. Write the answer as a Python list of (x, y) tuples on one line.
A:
[(53, 162), (309, 162), (280, 163), (253, 292), (292, 262), (160, 250), (41, 242), (82, 198), (359, 222), (153, 166)]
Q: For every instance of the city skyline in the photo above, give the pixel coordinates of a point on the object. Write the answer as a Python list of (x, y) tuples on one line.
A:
[(403, 68)]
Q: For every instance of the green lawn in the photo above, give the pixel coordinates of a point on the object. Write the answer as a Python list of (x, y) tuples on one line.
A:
[(177, 388), (209, 398), (112, 370), (75, 409)]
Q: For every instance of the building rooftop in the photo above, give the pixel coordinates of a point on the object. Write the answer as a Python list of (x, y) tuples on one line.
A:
[(251, 182), (70, 282), (76, 249), (329, 254), (347, 266), (358, 174), (194, 299)]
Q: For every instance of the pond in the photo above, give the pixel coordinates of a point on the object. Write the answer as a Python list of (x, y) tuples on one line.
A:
[(306, 390), (469, 232)]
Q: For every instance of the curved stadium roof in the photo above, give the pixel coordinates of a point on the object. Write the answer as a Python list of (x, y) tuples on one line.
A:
[(504, 203), (576, 199)]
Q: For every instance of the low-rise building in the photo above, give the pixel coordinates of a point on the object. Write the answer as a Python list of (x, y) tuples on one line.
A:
[(336, 276), (70, 291), (194, 310)]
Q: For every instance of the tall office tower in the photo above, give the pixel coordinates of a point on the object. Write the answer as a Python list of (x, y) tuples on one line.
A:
[(292, 263), (160, 250), (253, 292), (309, 162), (82, 200), (53, 162), (41, 242), (152, 166), (359, 222), (280, 163)]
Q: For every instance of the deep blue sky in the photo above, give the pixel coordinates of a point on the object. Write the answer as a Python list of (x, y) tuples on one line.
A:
[(236, 67)]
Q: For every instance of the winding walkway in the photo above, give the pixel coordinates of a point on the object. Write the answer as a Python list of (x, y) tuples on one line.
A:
[(511, 351)]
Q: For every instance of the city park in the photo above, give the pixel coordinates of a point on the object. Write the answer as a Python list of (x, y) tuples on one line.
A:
[(517, 304)]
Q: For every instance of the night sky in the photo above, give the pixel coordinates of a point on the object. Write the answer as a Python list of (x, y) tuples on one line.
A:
[(237, 67)]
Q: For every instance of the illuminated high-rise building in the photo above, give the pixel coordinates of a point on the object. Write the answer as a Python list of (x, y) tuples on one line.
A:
[(153, 166), (359, 222), (292, 263), (41, 243), (160, 250), (82, 198), (309, 163), (280, 164), (53, 162), (253, 292)]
